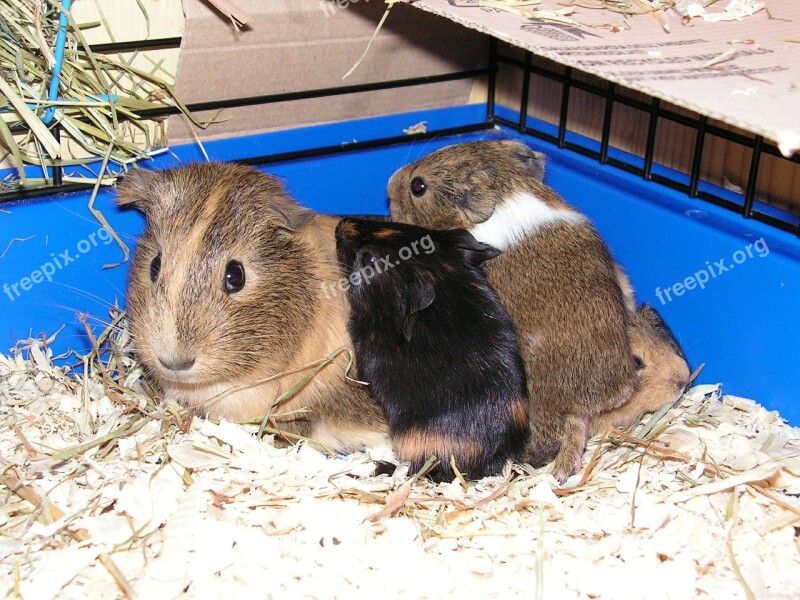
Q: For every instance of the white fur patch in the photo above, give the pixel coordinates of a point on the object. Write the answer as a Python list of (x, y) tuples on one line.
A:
[(517, 216)]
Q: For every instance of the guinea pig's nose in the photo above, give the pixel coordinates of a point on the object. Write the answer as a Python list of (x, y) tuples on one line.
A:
[(177, 363)]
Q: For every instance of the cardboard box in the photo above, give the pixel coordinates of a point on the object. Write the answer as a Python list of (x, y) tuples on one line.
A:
[(310, 44)]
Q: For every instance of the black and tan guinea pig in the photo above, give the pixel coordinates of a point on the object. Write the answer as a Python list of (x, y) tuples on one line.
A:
[(662, 368), (227, 294), (555, 277), (435, 345)]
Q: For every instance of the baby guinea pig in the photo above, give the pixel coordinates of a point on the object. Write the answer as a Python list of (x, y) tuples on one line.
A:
[(662, 368), (660, 363), (434, 343), (555, 277), (226, 296)]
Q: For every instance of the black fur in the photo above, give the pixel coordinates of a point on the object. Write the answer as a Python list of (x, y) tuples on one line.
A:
[(438, 349)]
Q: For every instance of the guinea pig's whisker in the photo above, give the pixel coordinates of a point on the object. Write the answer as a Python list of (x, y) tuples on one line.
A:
[(100, 320), (86, 294), (347, 269), (63, 307), (239, 335), (88, 316), (317, 363), (235, 353), (238, 351)]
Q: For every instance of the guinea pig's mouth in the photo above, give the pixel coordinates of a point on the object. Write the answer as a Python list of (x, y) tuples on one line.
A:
[(183, 377), (192, 379)]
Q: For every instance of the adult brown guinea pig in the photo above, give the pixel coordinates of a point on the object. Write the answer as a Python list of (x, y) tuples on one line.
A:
[(555, 277), (662, 368), (436, 346), (226, 296)]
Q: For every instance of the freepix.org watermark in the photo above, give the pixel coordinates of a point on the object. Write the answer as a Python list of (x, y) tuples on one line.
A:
[(366, 273), (711, 271), (59, 261)]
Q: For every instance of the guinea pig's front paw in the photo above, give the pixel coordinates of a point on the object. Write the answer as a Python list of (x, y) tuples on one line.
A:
[(569, 461), (565, 465)]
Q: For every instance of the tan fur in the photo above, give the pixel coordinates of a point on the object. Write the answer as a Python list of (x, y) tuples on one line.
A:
[(349, 229), (415, 445), (573, 337), (559, 285), (199, 218), (385, 233), (628, 293), (663, 377), (664, 373), (520, 412)]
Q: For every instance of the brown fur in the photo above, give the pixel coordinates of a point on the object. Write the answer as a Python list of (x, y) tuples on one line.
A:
[(663, 371), (385, 234), (573, 337), (199, 218), (559, 284)]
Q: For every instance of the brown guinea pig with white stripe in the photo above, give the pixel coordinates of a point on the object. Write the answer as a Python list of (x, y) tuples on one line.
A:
[(228, 305), (435, 345), (660, 362), (555, 277)]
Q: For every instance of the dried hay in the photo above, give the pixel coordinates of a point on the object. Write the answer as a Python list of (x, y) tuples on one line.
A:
[(105, 492), (99, 99)]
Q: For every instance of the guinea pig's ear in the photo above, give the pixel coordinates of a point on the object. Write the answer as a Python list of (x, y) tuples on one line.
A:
[(420, 294), (138, 188), (530, 160), (476, 196), (474, 251), (293, 216)]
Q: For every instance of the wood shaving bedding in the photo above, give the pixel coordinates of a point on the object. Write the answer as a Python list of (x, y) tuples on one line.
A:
[(105, 493)]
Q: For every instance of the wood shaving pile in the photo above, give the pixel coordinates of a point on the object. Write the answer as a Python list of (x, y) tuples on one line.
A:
[(164, 506)]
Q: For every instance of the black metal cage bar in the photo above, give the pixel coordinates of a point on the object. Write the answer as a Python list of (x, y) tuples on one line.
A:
[(656, 112)]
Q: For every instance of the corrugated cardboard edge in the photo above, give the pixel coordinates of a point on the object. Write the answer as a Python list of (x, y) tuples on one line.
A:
[(788, 141)]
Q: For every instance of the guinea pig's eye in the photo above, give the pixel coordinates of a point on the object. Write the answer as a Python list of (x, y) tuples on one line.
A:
[(234, 277), (155, 267), (367, 260), (418, 186)]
